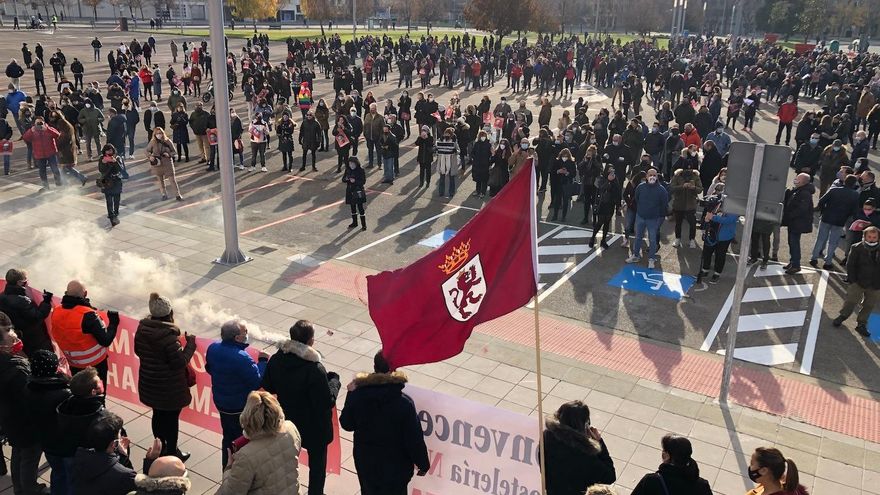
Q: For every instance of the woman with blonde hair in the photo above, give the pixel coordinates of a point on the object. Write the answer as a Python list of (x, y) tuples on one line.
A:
[(160, 152), (267, 464)]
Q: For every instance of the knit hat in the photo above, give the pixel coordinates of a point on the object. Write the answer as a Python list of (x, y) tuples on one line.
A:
[(44, 363), (159, 306)]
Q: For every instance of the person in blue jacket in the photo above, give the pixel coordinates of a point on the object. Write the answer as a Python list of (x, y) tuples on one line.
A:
[(13, 102), (234, 375), (720, 230)]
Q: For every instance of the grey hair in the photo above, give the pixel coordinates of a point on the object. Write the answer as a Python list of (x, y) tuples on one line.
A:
[(230, 330)]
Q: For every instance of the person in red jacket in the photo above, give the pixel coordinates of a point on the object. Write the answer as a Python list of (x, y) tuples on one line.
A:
[(690, 136), (787, 112), (43, 141)]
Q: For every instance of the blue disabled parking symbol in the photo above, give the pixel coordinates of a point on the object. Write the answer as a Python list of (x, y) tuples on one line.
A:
[(438, 239), (874, 326), (653, 282)]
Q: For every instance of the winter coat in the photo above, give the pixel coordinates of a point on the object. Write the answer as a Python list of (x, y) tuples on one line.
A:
[(797, 212), (306, 393), (518, 160), (234, 374), (179, 133), (100, 473), (198, 121), (807, 157), (14, 412), (425, 147), (166, 485), (675, 480), (310, 136), (266, 465), (111, 172), (43, 396), (373, 124), (74, 417), (90, 119), (322, 115), (66, 143), (389, 146), (165, 164), (838, 204), (162, 377), (28, 318), (447, 156), (352, 188), (692, 138), (481, 153), (285, 135), (651, 200), (709, 168), (607, 197), (684, 198), (388, 437), (574, 461), (117, 131), (863, 265)]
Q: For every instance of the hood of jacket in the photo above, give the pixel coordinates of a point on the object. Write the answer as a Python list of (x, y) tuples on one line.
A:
[(300, 350), (170, 485), (68, 302), (380, 387), (148, 327), (44, 384), (573, 439), (76, 407), (91, 464)]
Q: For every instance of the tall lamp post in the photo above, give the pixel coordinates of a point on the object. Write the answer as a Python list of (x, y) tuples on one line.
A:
[(232, 255)]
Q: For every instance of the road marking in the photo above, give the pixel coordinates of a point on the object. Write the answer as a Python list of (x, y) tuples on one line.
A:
[(778, 270), (769, 321), (292, 217), (237, 193), (391, 236), (574, 234), (554, 267), (777, 292), (813, 332), (548, 234), (563, 249), (719, 320), (768, 355), (571, 272)]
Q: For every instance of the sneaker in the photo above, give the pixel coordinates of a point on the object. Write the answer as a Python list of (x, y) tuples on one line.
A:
[(693, 244), (251, 169), (625, 243), (633, 259), (814, 263), (793, 270), (239, 167), (838, 321), (828, 266), (862, 330), (751, 261), (763, 265), (264, 169), (714, 279), (650, 262), (676, 243)]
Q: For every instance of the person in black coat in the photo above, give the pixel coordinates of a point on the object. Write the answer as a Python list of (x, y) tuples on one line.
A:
[(606, 200), (310, 137), (806, 158), (710, 166), (562, 173), (307, 394), (355, 196), (797, 215), (679, 473), (388, 436), (481, 154), (46, 390), (576, 455), (28, 317), (342, 139)]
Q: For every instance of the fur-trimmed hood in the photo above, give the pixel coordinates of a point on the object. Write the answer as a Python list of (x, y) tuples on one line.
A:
[(300, 350), (168, 485), (375, 379), (571, 438)]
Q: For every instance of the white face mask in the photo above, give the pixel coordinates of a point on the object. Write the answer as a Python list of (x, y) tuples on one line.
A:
[(351, 166), (565, 158), (872, 244), (88, 105), (483, 138), (652, 179), (502, 146)]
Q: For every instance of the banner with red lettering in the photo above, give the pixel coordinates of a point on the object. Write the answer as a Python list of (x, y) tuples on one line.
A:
[(475, 449), (122, 379)]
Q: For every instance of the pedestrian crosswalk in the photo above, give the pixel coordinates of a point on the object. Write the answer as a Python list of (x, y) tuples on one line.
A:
[(562, 252), (779, 320)]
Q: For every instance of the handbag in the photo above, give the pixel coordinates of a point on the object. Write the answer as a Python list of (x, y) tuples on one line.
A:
[(101, 182), (360, 195)]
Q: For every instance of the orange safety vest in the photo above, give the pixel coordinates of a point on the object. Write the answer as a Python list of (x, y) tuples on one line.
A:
[(81, 349)]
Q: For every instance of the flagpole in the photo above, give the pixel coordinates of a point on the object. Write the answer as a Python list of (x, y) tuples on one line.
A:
[(540, 399)]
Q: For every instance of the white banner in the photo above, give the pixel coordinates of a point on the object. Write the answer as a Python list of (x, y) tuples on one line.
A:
[(474, 448)]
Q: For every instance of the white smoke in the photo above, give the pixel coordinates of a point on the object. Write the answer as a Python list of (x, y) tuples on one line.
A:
[(123, 280)]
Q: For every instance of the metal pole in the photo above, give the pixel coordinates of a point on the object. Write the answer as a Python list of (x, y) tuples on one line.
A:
[(675, 4), (540, 391), (681, 17), (742, 269), (354, 24), (733, 23), (596, 29), (232, 255)]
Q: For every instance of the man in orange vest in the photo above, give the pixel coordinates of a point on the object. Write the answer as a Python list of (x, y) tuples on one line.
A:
[(80, 332)]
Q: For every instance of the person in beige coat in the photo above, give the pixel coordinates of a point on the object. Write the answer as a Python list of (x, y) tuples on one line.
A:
[(160, 152), (518, 159), (268, 463)]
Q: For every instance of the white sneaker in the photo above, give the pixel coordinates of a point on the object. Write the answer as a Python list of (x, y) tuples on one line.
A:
[(676, 243), (130, 156), (251, 169), (239, 167), (693, 244), (264, 169), (650, 262), (633, 259)]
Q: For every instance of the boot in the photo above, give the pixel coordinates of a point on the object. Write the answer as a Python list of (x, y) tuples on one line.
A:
[(363, 222), (593, 242), (354, 222)]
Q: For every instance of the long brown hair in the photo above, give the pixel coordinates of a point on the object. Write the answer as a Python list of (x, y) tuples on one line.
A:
[(779, 466)]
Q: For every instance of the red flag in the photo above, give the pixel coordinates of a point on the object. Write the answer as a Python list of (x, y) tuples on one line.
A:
[(426, 311)]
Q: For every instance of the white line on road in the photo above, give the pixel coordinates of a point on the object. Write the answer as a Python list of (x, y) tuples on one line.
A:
[(777, 292), (769, 321), (719, 320), (546, 268), (548, 234), (380, 241), (574, 234), (571, 272), (563, 249), (813, 332), (768, 355)]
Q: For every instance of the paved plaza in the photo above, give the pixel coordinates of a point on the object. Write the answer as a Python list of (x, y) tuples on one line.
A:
[(645, 363)]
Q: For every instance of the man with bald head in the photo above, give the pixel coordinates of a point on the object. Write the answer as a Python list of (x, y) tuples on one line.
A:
[(797, 215), (167, 475), (80, 332)]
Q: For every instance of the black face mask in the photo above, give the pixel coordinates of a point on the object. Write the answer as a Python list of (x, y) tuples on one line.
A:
[(754, 475)]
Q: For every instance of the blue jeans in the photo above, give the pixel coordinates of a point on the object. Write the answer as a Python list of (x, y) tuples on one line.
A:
[(6, 164), (61, 482), (630, 221), (652, 225), (388, 164), (71, 170), (51, 162), (794, 248), (827, 238), (442, 183)]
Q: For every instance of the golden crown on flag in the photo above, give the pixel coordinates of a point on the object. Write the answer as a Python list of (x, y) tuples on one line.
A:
[(459, 257)]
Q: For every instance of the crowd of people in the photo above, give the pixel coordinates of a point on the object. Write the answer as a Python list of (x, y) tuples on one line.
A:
[(53, 402)]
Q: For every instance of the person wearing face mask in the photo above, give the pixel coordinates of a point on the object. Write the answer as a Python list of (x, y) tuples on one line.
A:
[(734, 105), (447, 150), (797, 215), (678, 474), (481, 155), (44, 141), (15, 372), (425, 155), (774, 474), (685, 187), (404, 112), (28, 317), (576, 453), (546, 149), (90, 119), (160, 156), (863, 274), (285, 130), (861, 146), (654, 143), (520, 155), (153, 118), (562, 173), (650, 201), (110, 182), (322, 116), (234, 375), (831, 159), (176, 99), (806, 158), (356, 127), (606, 199), (499, 171), (617, 155), (836, 207), (805, 128), (342, 142), (310, 139)]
